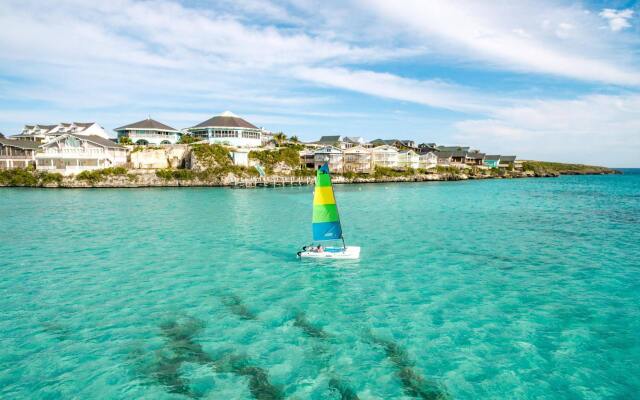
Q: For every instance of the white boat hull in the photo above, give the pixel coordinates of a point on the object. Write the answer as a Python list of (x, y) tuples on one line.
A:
[(339, 253)]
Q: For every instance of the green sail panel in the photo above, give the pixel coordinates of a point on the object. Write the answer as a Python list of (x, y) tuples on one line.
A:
[(325, 213)]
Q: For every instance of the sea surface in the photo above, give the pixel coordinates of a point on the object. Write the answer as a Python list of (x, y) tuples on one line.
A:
[(518, 289)]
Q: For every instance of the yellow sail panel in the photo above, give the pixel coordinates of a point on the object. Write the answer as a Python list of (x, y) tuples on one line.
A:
[(323, 195)]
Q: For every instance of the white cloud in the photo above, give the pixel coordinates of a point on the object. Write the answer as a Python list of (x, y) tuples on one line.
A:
[(431, 93), (595, 128), (493, 33), (618, 20)]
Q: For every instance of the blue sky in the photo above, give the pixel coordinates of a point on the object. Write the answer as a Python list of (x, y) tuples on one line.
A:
[(549, 80)]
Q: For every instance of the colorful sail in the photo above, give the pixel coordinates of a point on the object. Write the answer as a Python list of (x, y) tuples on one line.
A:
[(326, 221)]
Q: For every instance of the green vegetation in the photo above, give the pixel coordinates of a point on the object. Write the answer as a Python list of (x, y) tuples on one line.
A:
[(269, 158), (212, 155), (125, 140), (28, 177), (385, 172), (279, 138), (142, 148), (208, 174), (99, 175), (188, 139), (544, 167), (442, 169)]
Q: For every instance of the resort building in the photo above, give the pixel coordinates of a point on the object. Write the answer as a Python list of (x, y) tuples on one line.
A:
[(507, 161), (340, 142), (384, 156), (424, 148), (71, 153), (357, 159), (17, 153), (46, 133), (428, 160), (459, 158), (331, 155), (149, 131), (444, 158), (227, 128), (307, 159), (491, 161), (475, 159), (408, 159)]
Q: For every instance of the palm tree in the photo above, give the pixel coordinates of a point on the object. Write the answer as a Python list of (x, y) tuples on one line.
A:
[(280, 138), (294, 139)]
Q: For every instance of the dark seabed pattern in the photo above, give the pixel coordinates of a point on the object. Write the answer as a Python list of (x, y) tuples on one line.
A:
[(526, 289)]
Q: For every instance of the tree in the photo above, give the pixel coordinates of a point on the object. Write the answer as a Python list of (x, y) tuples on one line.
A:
[(187, 139), (124, 140), (294, 139), (279, 138)]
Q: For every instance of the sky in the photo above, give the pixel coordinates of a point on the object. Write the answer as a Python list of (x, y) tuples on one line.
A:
[(546, 80)]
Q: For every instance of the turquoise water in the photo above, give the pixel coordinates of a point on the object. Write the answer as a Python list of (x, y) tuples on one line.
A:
[(525, 289)]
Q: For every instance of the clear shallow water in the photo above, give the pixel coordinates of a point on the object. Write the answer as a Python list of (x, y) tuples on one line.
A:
[(496, 289)]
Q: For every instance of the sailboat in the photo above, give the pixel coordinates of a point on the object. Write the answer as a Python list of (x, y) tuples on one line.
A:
[(326, 223)]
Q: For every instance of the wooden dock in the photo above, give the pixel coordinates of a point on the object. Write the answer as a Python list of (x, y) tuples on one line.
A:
[(272, 181)]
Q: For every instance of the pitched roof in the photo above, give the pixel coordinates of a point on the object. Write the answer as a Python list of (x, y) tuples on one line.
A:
[(444, 154), (329, 139), (228, 120), (91, 138), (21, 144), (508, 158), (453, 148), (459, 153), (492, 157), (475, 156), (147, 124), (84, 124)]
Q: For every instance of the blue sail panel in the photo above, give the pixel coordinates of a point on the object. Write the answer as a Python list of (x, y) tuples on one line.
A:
[(327, 231)]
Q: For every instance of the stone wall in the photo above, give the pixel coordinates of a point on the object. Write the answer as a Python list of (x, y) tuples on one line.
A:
[(166, 156)]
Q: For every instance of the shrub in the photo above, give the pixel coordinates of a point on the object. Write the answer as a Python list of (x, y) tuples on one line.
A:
[(187, 139), (269, 158), (98, 175), (212, 155), (28, 177)]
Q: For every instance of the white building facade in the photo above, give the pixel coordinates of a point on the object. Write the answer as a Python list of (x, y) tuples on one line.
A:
[(229, 129), (384, 156), (47, 133), (71, 153), (408, 159), (331, 155), (149, 132), (428, 160), (357, 159)]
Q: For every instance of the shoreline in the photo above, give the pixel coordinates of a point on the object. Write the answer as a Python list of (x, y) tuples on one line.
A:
[(151, 179)]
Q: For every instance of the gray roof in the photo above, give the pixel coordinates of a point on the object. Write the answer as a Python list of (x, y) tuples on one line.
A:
[(444, 154), (459, 153), (329, 139), (93, 138), (21, 144), (147, 124), (225, 121), (475, 156), (84, 124), (492, 157), (453, 148), (508, 158)]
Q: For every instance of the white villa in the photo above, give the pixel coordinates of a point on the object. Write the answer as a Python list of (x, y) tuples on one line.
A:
[(71, 153), (408, 159), (227, 128), (428, 160), (331, 155), (46, 133), (384, 156), (357, 159), (149, 131)]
